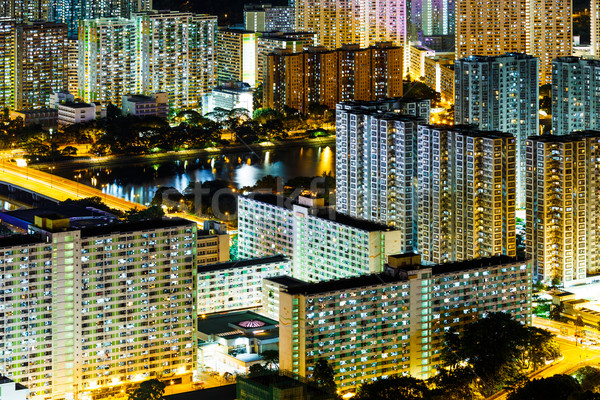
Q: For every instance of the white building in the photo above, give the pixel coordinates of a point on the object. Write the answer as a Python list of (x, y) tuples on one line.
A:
[(236, 285), (230, 96), (10, 390), (322, 244), (74, 113), (156, 105), (376, 162), (60, 97)]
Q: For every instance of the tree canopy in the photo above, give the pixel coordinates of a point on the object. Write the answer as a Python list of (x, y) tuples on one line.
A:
[(148, 390), (498, 348)]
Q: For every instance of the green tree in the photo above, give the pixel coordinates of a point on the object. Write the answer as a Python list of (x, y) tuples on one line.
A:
[(556, 311), (394, 388), (589, 378), (324, 376), (148, 390), (455, 384), (270, 359), (557, 387), (541, 347), (257, 370), (492, 346)]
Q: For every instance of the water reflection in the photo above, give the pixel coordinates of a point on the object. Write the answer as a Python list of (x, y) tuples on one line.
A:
[(139, 182)]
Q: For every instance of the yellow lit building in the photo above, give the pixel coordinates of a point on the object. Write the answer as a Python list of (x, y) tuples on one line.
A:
[(41, 63), (418, 54), (439, 75), (541, 28), (236, 56), (7, 62), (563, 206), (318, 75), (393, 323), (466, 193)]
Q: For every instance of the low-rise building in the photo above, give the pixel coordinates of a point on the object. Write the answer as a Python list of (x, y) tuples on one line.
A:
[(156, 105), (46, 117), (62, 96), (70, 113), (229, 96), (232, 342), (236, 285), (378, 325)]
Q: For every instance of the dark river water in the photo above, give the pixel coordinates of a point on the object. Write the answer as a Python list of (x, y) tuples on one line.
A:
[(138, 182)]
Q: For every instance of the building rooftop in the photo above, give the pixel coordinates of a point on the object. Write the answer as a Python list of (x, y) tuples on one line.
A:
[(364, 281), (221, 324), (574, 136), (16, 240), (475, 264), (321, 212), (122, 227), (286, 280), (140, 98), (73, 104), (345, 284), (78, 216), (37, 111), (516, 56), (242, 263)]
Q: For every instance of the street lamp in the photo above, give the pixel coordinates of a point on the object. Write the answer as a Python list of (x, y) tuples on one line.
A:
[(77, 179), (51, 174)]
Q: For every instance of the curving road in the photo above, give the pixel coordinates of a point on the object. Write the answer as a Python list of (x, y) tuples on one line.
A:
[(58, 188)]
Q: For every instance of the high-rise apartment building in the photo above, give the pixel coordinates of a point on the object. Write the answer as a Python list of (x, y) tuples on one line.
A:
[(575, 95), (266, 18), (41, 63), (439, 75), (8, 37), (151, 52), (181, 56), (551, 33), (538, 27), (111, 59), (393, 323), (267, 43), (329, 77), (86, 311), (595, 27), (71, 12), (376, 155), (436, 17), (363, 22), (500, 93), (563, 206), (466, 193), (322, 244), (25, 10), (236, 56)]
